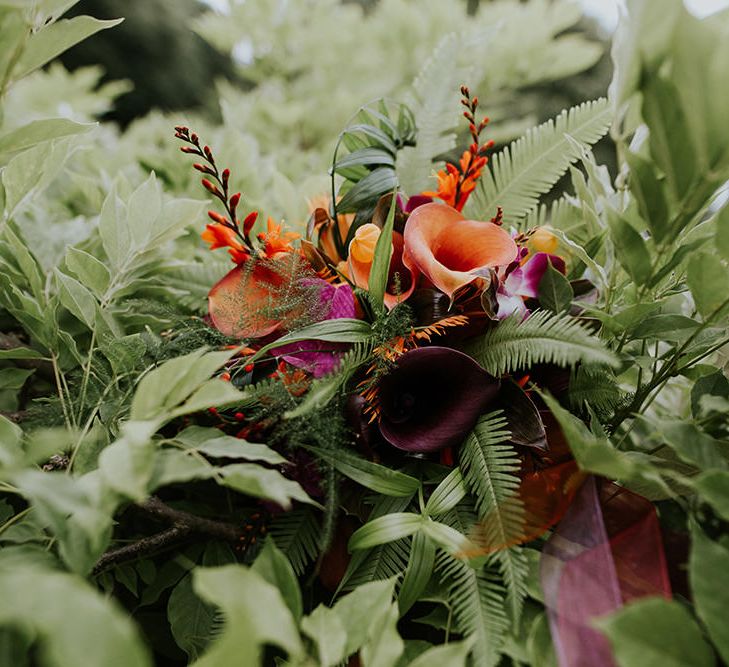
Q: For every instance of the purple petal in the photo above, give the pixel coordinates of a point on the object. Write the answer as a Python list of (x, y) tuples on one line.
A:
[(319, 357), (415, 201), (433, 399), (533, 272)]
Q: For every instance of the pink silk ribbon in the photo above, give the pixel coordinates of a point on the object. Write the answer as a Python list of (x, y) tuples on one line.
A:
[(606, 551)]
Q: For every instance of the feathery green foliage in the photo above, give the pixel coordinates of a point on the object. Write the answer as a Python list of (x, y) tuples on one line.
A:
[(532, 165), (541, 338)]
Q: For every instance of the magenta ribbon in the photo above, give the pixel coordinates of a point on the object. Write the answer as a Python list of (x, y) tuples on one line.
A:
[(606, 551)]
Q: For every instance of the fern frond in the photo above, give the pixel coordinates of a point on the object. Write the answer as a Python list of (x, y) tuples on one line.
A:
[(531, 165), (476, 597), (597, 388), (490, 468), (296, 534), (382, 562), (541, 338), (434, 103)]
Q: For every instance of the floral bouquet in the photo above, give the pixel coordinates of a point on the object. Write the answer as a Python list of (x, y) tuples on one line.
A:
[(419, 374)]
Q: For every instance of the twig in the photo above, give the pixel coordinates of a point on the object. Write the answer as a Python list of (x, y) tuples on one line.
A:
[(183, 525)]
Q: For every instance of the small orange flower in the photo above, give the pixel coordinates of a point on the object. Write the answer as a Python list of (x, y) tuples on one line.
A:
[(275, 240), (454, 185), (220, 236)]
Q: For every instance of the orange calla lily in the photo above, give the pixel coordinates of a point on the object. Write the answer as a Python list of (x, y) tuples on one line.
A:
[(401, 276), (451, 251)]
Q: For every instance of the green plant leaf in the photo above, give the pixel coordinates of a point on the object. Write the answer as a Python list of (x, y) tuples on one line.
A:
[(418, 572), (259, 482), (77, 625), (454, 654), (656, 633), (385, 529), (713, 486), (327, 630), (370, 475), (708, 567), (213, 442), (384, 645), (90, 271), (39, 132), (705, 274), (381, 259), (632, 252), (192, 621), (275, 568), (447, 494), (555, 292), (255, 614), (54, 39)]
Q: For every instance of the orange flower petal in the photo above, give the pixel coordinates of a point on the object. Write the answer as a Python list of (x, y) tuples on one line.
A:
[(239, 303), (452, 251)]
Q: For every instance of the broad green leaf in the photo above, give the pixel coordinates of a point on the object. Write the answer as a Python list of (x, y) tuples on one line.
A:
[(656, 633), (381, 259), (73, 512), (162, 389), (708, 574), (447, 494), (692, 445), (76, 624), (39, 132), (255, 614), (192, 621), (631, 250), (555, 292), (92, 273), (275, 568), (213, 442), (127, 465), (385, 529), (56, 38), (368, 190), (664, 326), (649, 193), (14, 378), (326, 628), (115, 235), (357, 609), (384, 645), (259, 482), (453, 654), (418, 573), (215, 393), (143, 209), (16, 353), (446, 537), (722, 232), (172, 466), (371, 475), (11, 452), (713, 486), (79, 300), (706, 276)]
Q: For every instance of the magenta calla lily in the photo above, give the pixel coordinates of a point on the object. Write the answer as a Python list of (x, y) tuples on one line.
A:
[(433, 398)]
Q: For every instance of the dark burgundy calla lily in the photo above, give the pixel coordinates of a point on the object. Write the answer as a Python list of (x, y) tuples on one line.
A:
[(433, 398)]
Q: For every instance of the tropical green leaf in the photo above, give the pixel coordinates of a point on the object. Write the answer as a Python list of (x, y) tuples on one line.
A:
[(385, 529)]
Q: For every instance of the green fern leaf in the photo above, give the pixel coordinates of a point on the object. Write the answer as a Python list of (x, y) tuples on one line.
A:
[(490, 467), (476, 597), (531, 165), (434, 103), (296, 534), (541, 338), (597, 388)]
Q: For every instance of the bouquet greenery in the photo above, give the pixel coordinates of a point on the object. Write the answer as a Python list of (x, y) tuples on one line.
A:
[(441, 422)]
